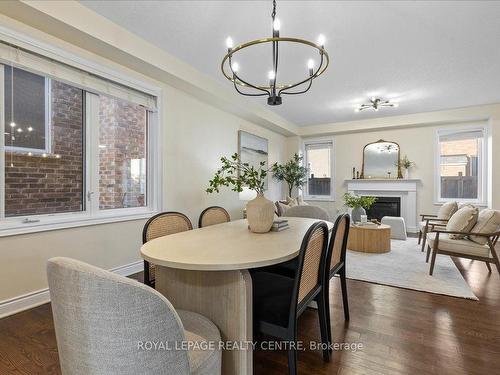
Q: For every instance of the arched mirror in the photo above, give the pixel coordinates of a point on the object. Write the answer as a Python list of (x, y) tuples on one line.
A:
[(381, 160)]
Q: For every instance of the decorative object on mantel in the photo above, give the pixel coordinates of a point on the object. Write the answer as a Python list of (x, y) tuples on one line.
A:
[(376, 104), (292, 172), (272, 89), (260, 211), (380, 160), (406, 164), (358, 205)]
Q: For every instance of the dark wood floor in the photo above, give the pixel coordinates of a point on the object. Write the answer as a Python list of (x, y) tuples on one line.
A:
[(402, 332)]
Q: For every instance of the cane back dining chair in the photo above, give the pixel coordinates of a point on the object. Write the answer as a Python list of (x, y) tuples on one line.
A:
[(336, 265), (162, 224), (213, 215), (280, 300)]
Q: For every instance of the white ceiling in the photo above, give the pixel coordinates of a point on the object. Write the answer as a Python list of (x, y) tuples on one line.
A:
[(425, 55)]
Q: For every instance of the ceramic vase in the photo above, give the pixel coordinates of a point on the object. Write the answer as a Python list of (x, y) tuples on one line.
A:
[(407, 174), (260, 214), (356, 214)]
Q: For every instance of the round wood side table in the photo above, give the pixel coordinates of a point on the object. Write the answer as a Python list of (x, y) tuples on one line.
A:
[(370, 239)]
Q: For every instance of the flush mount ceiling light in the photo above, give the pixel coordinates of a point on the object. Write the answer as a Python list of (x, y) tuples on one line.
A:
[(274, 90), (375, 104)]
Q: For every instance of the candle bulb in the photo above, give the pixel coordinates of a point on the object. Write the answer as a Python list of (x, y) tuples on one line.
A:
[(271, 75), (310, 66)]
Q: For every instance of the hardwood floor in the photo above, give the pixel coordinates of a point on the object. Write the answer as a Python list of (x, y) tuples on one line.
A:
[(402, 332)]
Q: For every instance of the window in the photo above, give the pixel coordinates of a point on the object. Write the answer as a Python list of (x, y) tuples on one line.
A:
[(72, 156), (461, 165), (40, 181), (318, 158), (122, 154), (27, 111)]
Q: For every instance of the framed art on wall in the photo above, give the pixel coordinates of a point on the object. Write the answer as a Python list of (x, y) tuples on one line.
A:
[(252, 149)]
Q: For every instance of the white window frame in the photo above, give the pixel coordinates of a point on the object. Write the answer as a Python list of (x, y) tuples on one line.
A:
[(90, 215), (483, 164), (48, 121), (316, 141)]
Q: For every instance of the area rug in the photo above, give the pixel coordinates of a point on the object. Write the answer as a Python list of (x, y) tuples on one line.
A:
[(404, 266)]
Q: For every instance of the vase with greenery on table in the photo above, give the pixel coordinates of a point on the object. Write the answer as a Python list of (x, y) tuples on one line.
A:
[(358, 203), (236, 174), (292, 172)]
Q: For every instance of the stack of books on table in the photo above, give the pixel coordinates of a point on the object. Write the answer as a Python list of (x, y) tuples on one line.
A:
[(279, 225)]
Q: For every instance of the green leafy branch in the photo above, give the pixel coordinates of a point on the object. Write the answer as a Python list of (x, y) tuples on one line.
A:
[(235, 174), (355, 201)]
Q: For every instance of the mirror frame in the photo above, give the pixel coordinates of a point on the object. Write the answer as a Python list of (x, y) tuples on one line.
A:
[(400, 174)]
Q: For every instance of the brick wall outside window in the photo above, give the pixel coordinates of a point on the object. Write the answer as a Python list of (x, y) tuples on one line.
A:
[(122, 135), (43, 185)]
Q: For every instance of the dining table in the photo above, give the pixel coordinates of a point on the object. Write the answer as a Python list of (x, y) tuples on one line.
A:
[(206, 270)]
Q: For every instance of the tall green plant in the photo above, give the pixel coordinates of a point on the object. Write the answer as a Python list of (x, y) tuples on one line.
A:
[(237, 174), (292, 172)]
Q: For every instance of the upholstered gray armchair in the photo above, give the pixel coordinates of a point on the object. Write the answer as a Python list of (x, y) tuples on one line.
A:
[(109, 324)]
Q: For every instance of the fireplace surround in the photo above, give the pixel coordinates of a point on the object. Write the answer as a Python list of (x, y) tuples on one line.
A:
[(404, 189)]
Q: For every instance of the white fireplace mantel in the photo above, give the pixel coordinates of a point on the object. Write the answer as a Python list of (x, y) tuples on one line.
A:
[(405, 189)]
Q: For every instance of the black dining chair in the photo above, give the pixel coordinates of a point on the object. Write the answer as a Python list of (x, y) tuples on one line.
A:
[(336, 259), (279, 300), (336, 265)]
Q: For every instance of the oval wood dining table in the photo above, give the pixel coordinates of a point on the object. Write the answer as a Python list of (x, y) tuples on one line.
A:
[(205, 270)]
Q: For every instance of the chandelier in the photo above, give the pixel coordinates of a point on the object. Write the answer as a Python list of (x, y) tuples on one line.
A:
[(274, 89), (375, 104)]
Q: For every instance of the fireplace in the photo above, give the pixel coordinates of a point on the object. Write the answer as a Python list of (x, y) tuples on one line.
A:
[(385, 206)]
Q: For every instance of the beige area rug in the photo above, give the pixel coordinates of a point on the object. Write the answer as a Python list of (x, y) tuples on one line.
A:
[(404, 266)]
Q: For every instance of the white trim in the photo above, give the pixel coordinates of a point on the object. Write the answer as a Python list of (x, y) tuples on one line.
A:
[(2, 146), (483, 165), (58, 54), (66, 223), (320, 140), (47, 125), (91, 215), (30, 300)]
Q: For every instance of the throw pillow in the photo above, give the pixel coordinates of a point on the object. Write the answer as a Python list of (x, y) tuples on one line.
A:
[(488, 221), (462, 221), (447, 210), (292, 201), (301, 202), (283, 208)]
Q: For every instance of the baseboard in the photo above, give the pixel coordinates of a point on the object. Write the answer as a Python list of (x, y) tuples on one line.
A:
[(30, 300)]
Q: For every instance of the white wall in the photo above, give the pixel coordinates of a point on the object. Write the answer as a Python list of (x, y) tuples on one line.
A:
[(416, 137), (195, 136)]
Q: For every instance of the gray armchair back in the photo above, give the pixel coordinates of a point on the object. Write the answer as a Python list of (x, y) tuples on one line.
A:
[(101, 319)]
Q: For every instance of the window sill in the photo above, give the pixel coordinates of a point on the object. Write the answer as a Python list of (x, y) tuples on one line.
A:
[(74, 221)]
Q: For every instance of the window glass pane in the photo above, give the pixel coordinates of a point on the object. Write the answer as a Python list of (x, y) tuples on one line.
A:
[(319, 165), (459, 166), (49, 182), (122, 153), (25, 126)]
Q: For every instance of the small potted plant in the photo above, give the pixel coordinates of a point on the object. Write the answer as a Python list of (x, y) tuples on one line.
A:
[(234, 173), (292, 172), (358, 204), (406, 164)]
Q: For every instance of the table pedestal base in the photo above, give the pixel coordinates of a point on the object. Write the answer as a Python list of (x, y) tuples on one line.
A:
[(224, 297)]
